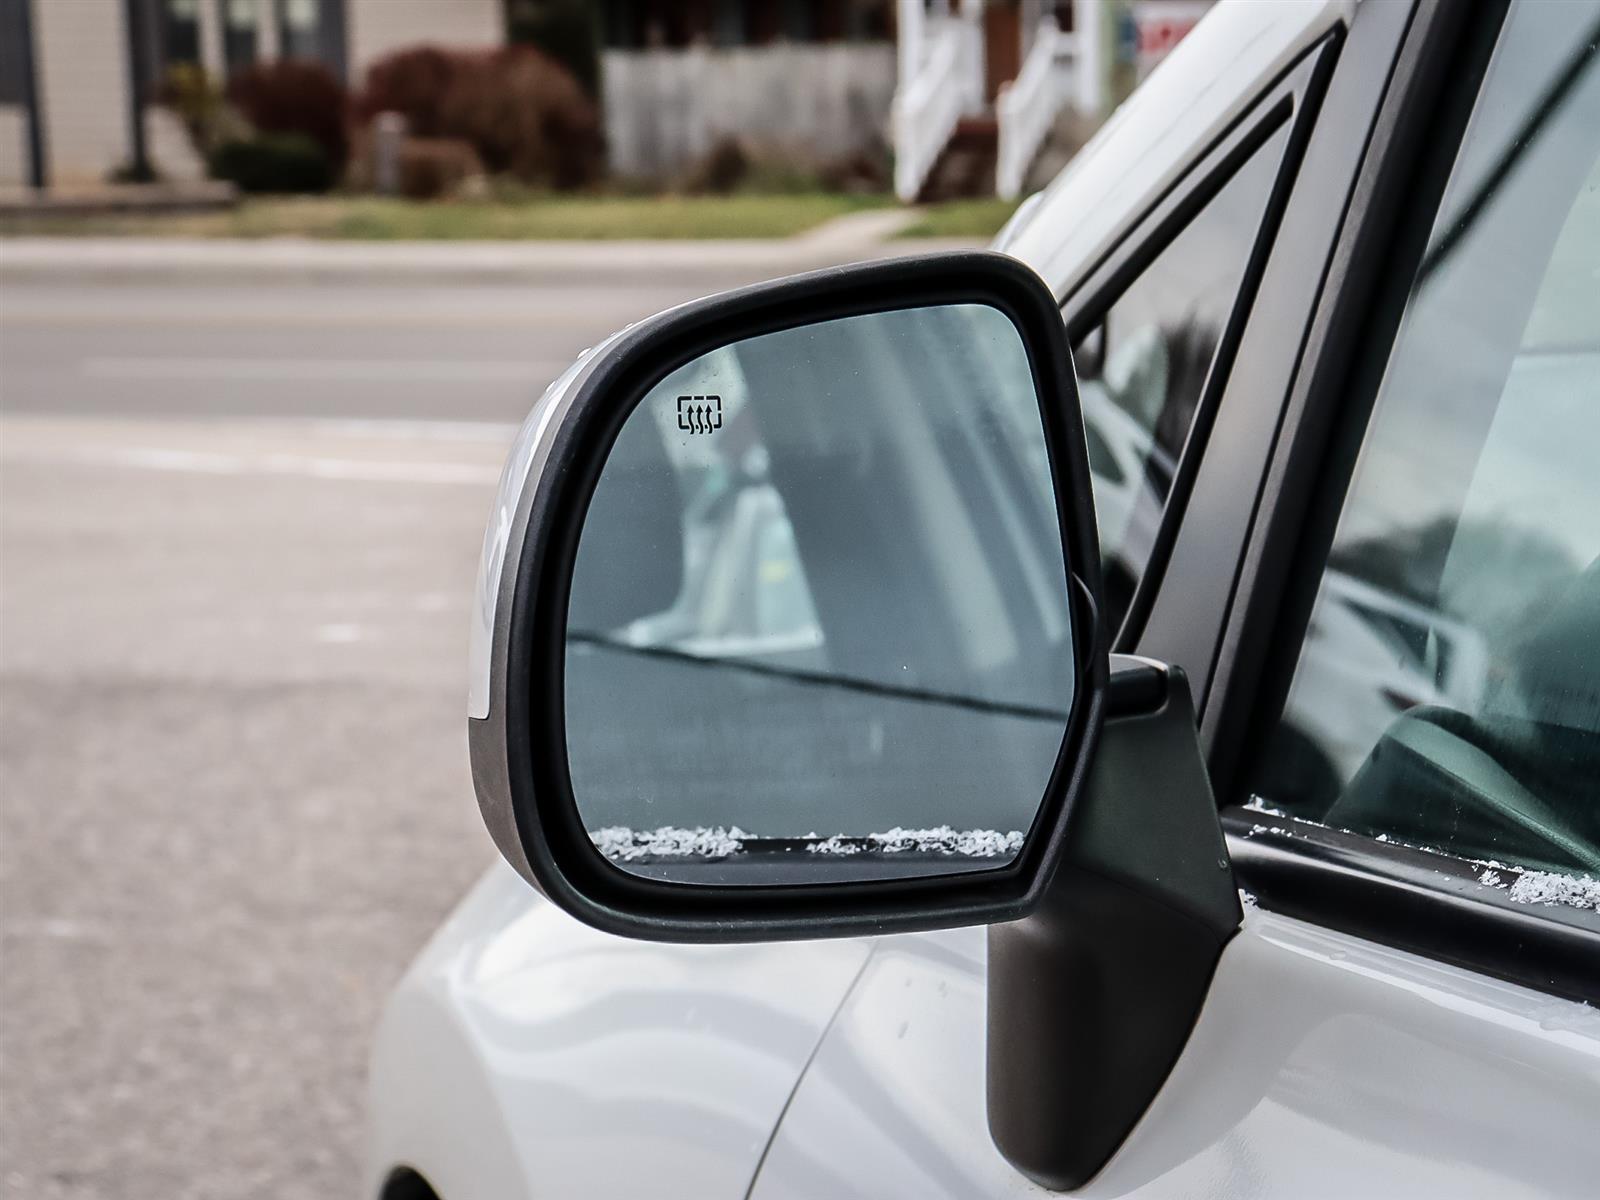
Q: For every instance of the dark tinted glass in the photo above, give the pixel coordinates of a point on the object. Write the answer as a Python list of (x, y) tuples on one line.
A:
[(180, 32), (1447, 694), (311, 29), (1150, 356), (13, 56), (240, 34)]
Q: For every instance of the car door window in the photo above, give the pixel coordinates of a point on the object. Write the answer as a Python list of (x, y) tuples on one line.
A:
[(1447, 692), (1144, 365)]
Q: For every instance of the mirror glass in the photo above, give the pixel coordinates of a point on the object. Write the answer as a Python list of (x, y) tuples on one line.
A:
[(819, 626)]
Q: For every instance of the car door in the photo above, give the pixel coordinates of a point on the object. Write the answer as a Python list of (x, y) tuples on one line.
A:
[(1382, 576)]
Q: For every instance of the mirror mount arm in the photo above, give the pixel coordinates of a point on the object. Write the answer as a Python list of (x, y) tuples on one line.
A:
[(1092, 997)]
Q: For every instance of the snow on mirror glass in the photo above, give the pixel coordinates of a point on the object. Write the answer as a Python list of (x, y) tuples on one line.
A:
[(819, 625)]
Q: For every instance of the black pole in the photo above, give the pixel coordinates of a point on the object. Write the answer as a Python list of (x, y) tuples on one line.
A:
[(335, 39), (38, 175), (138, 90)]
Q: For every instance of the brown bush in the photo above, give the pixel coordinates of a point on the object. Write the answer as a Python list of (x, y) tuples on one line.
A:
[(434, 167), (865, 171), (522, 112), (735, 164), (411, 82), (719, 171), (291, 96)]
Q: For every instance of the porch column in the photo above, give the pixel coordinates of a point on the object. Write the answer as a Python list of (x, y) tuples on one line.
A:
[(1091, 77), (269, 45), (908, 35), (208, 16)]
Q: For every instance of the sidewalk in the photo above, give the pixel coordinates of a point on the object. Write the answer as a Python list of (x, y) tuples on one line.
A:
[(110, 198), (143, 260)]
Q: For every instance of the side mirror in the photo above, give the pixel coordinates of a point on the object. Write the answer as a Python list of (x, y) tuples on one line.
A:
[(842, 671), (836, 668)]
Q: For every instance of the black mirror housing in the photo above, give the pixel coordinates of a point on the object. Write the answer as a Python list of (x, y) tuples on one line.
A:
[(518, 729)]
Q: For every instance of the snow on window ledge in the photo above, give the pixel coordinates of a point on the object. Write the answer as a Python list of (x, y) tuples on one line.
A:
[(1543, 887)]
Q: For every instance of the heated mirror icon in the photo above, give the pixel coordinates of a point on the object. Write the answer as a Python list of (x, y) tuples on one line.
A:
[(699, 414)]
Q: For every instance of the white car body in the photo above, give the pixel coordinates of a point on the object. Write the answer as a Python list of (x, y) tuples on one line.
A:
[(527, 1056)]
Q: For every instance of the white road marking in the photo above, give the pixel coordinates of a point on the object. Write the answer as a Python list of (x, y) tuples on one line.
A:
[(562, 313), (305, 370), (204, 462), (417, 429), (339, 634), (59, 928)]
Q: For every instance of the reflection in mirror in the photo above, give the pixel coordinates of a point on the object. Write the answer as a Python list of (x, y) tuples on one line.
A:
[(846, 651)]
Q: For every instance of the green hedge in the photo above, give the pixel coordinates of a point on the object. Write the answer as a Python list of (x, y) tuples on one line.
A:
[(274, 162)]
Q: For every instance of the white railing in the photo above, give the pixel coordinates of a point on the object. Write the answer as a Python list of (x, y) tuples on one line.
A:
[(945, 84), (1027, 106)]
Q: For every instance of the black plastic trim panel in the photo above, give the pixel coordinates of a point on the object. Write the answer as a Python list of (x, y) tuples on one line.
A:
[(1185, 623), (1093, 996), (1291, 100)]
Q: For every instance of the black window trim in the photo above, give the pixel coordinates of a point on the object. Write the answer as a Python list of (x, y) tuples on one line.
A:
[(1291, 99), (1410, 899), (1430, 904)]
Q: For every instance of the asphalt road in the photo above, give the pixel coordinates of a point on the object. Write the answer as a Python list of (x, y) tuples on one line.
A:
[(238, 527)]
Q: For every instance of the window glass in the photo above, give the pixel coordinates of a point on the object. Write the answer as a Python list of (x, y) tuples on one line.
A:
[(1447, 693), (180, 32), (13, 31), (313, 30), (239, 34), (1141, 370)]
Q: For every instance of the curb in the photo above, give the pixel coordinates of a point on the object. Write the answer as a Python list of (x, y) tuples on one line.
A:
[(292, 260), (119, 199)]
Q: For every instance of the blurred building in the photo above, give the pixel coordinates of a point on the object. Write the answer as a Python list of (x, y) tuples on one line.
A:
[(960, 95), (71, 70), (1159, 25), (965, 93)]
